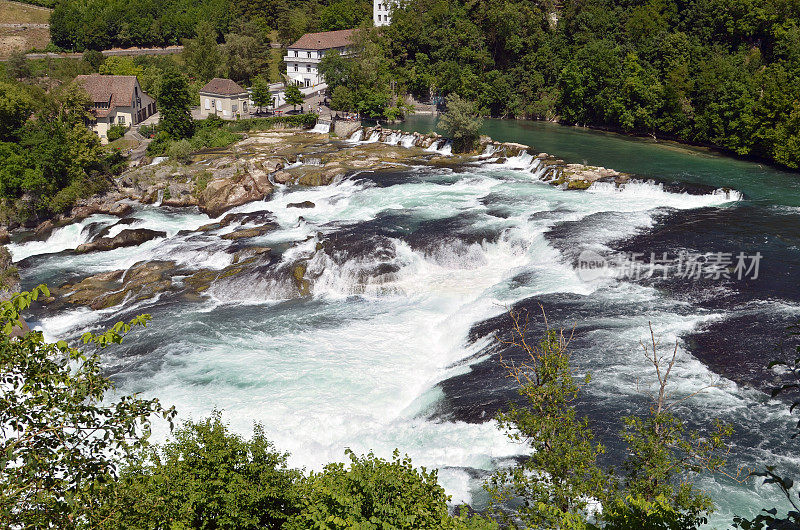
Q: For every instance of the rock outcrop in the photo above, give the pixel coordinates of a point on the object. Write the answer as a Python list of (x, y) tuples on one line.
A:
[(221, 195), (130, 237), (142, 281)]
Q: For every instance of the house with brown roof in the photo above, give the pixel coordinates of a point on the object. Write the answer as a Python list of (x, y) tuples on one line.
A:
[(116, 100), (302, 58), (223, 98)]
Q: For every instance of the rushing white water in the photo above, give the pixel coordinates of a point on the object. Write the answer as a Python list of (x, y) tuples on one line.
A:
[(443, 147), (360, 362), (408, 140), (357, 136), (321, 128)]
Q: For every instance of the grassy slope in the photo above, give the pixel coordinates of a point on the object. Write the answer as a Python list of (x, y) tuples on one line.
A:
[(14, 13), (13, 39)]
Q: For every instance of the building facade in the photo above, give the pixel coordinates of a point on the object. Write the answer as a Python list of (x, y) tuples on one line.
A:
[(302, 58), (116, 100), (382, 12), (224, 98)]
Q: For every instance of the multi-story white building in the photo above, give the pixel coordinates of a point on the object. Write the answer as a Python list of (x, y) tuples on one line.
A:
[(382, 12), (302, 58), (116, 100)]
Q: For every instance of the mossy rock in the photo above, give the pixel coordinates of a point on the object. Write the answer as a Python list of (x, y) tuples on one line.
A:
[(303, 285), (578, 184)]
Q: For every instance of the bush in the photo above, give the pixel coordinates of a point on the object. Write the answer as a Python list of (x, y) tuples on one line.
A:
[(78, 189), (206, 478), (180, 150), (159, 144), (265, 124), (214, 138), (115, 132), (377, 493), (148, 131)]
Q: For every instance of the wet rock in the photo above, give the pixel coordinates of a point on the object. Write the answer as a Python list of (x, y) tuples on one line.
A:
[(245, 233), (304, 204), (45, 229), (5, 236), (142, 281), (126, 238), (250, 252), (300, 281), (221, 195)]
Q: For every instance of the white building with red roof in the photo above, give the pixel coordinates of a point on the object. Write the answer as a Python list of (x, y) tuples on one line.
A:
[(223, 98), (302, 58), (116, 100)]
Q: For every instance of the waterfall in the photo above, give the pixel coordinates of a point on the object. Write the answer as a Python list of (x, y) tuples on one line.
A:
[(374, 137), (356, 137), (160, 198), (442, 147), (393, 139), (321, 128), (408, 140), (489, 151)]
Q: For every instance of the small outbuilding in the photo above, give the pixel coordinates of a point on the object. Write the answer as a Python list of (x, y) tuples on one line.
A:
[(223, 98)]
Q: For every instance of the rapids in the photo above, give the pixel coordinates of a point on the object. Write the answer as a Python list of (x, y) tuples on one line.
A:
[(413, 272)]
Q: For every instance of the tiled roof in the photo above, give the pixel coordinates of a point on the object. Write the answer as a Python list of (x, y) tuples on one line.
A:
[(223, 87), (116, 90), (325, 40)]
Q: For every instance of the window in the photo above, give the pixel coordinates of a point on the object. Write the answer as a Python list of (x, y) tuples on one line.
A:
[(308, 68), (295, 68), (208, 104), (121, 120), (244, 106), (235, 107), (309, 55), (296, 53)]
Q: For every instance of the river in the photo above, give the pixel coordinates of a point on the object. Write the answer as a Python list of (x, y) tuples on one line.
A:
[(414, 271)]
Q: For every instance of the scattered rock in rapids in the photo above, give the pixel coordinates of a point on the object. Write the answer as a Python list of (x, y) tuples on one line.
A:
[(127, 238), (250, 252), (300, 281), (578, 184), (221, 195), (244, 233), (304, 204), (282, 177), (143, 280), (44, 230)]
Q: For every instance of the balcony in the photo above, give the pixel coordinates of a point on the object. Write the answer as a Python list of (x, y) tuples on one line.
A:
[(300, 60)]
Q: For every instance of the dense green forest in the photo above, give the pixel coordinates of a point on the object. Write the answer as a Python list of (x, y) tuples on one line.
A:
[(101, 24), (719, 72)]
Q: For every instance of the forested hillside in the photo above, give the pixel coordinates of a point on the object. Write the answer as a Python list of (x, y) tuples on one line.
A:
[(100, 24), (717, 72), (720, 72)]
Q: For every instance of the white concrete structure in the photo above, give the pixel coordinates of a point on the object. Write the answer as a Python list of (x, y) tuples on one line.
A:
[(116, 100), (223, 98), (382, 12), (302, 58)]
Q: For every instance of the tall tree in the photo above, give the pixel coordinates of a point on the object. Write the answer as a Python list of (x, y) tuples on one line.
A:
[(461, 122), (202, 54), (175, 105), (293, 96)]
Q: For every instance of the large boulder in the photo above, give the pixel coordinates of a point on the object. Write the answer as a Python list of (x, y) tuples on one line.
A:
[(130, 237), (221, 195), (142, 281)]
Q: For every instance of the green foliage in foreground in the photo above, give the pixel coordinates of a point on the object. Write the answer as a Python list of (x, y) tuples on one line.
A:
[(206, 477), (61, 440), (374, 493)]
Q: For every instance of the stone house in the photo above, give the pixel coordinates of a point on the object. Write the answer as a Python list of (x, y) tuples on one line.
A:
[(302, 58), (116, 100), (223, 98)]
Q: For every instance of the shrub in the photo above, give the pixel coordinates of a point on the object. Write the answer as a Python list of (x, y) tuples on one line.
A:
[(180, 150), (78, 189), (159, 144), (115, 132), (206, 478)]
